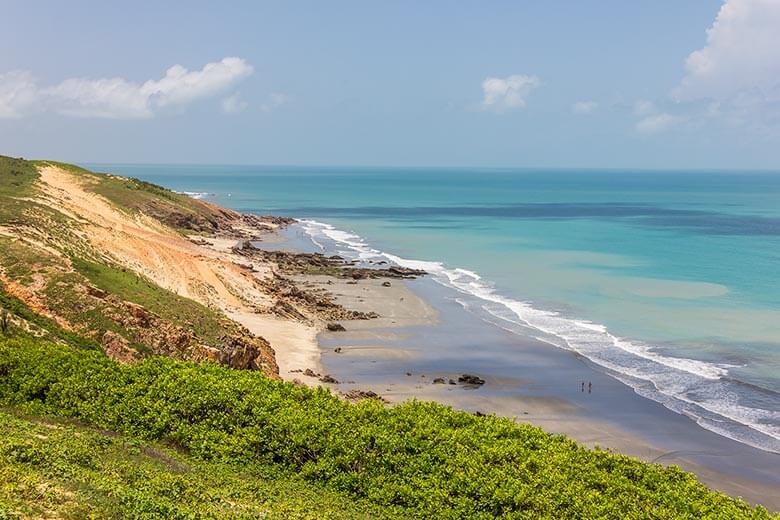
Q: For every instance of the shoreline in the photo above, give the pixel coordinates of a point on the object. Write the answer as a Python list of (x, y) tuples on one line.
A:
[(408, 338)]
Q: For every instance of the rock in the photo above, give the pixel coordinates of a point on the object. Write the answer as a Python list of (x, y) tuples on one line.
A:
[(386, 284), (335, 327), (116, 347), (405, 272), (438, 381), (479, 414), (470, 379), (327, 378), (357, 395), (408, 373), (310, 373), (452, 382), (337, 350)]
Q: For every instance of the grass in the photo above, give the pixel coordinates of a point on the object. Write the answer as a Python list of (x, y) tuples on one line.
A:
[(209, 325), (423, 459), (60, 280), (59, 469), (181, 212)]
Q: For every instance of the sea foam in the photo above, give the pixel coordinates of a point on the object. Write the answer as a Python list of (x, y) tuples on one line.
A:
[(699, 389)]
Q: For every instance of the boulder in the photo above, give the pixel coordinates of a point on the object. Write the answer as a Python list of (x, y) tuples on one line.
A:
[(470, 379)]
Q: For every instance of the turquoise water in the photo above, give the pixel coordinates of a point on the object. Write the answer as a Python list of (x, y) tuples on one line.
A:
[(667, 280)]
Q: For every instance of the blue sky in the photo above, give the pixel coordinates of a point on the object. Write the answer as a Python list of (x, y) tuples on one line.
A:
[(436, 83)]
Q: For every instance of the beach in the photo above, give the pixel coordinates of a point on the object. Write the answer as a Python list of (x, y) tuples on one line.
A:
[(423, 334)]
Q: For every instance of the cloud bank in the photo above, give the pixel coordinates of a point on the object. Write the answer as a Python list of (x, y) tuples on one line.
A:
[(737, 72), (118, 98), (508, 93)]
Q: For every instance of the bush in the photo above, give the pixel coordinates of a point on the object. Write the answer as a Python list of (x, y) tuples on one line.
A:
[(428, 458)]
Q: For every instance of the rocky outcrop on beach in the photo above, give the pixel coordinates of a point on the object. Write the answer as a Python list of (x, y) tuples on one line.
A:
[(317, 263)]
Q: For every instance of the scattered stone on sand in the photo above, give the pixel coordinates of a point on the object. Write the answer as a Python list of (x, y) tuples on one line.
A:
[(335, 327), (452, 382), (296, 371), (327, 378), (470, 379), (310, 373), (386, 284), (438, 381), (337, 350), (357, 395)]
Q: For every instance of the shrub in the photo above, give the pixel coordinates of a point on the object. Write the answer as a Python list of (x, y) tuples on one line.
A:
[(425, 457)]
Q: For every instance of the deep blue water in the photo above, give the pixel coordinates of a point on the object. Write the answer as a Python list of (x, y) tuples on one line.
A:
[(668, 280)]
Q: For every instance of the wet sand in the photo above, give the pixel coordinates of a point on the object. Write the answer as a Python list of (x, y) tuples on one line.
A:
[(424, 333)]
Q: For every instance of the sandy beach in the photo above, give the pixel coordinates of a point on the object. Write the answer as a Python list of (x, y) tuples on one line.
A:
[(423, 335)]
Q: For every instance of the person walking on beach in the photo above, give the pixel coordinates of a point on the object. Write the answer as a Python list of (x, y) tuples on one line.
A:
[(590, 385), (582, 388)]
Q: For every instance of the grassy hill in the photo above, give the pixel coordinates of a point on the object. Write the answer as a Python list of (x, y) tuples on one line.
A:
[(55, 284)]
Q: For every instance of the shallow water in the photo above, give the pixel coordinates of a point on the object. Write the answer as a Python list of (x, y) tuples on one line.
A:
[(666, 280)]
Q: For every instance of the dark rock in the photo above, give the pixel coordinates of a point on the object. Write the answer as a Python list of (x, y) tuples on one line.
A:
[(470, 379), (357, 395), (311, 373), (438, 381), (386, 284), (327, 378), (337, 350), (452, 382), (335, 327)]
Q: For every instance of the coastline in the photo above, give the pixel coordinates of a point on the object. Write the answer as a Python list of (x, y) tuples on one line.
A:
[(403, 331), (416, 334)]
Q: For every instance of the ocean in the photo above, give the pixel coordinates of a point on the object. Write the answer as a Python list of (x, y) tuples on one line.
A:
[(667, 280)]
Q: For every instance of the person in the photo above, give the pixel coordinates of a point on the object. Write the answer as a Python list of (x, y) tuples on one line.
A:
[(582, 388), (590, 385)]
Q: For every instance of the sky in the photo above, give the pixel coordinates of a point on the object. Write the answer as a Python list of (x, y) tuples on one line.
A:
[(574, 84)]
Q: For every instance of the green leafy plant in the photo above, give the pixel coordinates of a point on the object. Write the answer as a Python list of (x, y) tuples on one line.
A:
[(423, 458)]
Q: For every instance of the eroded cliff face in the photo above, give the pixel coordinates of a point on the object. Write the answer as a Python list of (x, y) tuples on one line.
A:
[(76, 266), (136, 270)]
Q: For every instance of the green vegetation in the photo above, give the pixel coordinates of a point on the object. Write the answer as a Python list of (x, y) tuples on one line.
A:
[(209, 325), (422, 458), (136, 196), (57, 469), (46, 252)]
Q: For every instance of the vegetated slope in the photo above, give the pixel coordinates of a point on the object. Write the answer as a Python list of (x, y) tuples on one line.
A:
[(56, 469), (84, 258), (423, 458)]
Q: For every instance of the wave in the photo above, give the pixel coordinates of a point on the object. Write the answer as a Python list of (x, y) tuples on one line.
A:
[(698, 389), (195, 194)]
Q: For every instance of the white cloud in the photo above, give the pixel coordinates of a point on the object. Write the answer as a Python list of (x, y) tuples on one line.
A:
[(584, 107), (643, 108), (742, 54), (658, 122), (510, 92), (18, 94), (277, 99), (119, 98), (233, 104), (735, 77)]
